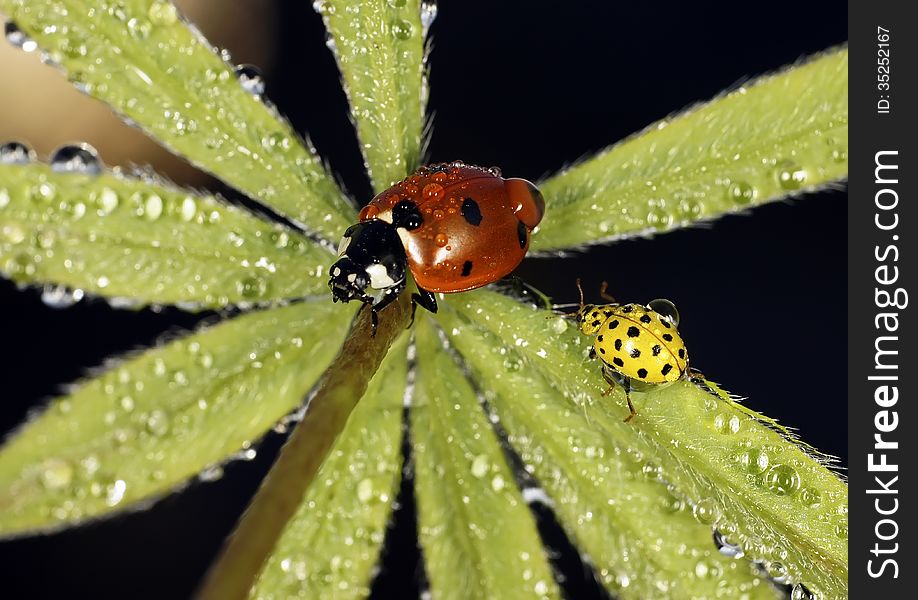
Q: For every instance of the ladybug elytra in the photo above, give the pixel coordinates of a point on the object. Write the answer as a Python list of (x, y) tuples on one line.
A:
[(455, 227), (639, 346)]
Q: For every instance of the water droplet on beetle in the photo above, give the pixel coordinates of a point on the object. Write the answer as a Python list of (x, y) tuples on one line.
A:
[(16, 153), (250, 79), (725, 547), (18, 38), (665, 309), (76, 158)]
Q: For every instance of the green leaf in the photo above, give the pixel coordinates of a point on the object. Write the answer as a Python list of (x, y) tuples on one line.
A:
[(780, 135), (143, 427), (470, 511), (148, 64), (730, 472), (331, 545), (379, 46), (147, 242)]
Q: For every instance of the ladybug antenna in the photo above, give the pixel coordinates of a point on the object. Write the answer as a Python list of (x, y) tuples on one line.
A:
[(580, 289)]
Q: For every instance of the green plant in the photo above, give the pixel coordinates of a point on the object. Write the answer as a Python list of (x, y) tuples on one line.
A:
[(695, 460)]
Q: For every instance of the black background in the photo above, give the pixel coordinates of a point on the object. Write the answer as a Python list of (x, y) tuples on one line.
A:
[(528, 86)]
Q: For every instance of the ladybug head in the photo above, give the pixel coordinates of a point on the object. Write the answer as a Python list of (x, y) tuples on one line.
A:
[(589, 319), (371, 255)]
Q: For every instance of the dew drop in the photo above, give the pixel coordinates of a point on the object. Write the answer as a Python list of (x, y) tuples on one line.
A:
[(58, 296), (790, 175), (16, 153), (76, 158), (801, 592), (659, 219), (158, 423), (741, 193), (188, 209), (115, 492), (428, 15), (755, 460), (402, 30), (56, 474), (162, 12), (810, 497), (665, 309), (106, 201), (365, 490), (498, 483), (777, 572), (250, 79), (252, 287), (725, 547), (153, 207), (18, 38), (4, 198), (211, 473), (480, 466), (841, 529), (726, 424), (783, 480), (513, 364), (691, 209), (706, 511)]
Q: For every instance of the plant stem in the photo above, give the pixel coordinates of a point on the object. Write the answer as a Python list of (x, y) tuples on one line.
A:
[(275, 502)]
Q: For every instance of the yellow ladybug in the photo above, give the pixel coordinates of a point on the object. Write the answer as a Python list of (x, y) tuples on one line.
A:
[(639, 346)]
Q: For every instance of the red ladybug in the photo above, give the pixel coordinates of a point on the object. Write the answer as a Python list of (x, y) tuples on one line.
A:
[(457, 227)]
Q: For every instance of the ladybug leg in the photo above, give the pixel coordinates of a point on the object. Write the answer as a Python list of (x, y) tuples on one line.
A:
[(387, 299), (374, 317), (593, 355), (611, 379), (426, 300)]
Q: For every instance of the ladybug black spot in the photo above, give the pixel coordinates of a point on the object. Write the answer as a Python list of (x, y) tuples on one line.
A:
[(681, 352), (613, 324), (407, 214), (667, 337), (635, 353), (666, 369), (602, 350), (599, 339), (471, 212), (665, 323), (656, 349), (522, 233), (642, 373), (645, 319), (467, 268), (627, 308), (596, 323), (608, 313), (633, 331), (618, 344), (618, 362)]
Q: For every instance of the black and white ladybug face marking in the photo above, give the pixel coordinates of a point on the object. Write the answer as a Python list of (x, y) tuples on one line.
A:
[(371, 255)]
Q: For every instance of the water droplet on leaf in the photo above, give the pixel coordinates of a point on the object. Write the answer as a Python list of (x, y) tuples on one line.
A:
[(76, 158), (250, 79)]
